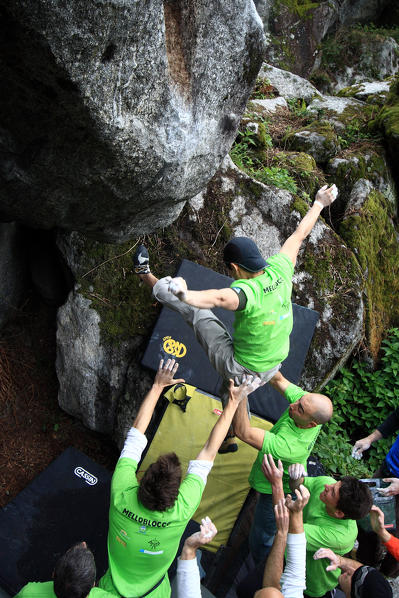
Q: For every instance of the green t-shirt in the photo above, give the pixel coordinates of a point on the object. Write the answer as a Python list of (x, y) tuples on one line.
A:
[(143, 543), (284, 441), (46, 590), (324, 531), (262, 328)]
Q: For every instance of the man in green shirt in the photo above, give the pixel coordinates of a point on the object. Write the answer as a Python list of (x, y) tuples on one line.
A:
[(330, 522), (74, 577), (148, 518), (260, 295), (291, 440)]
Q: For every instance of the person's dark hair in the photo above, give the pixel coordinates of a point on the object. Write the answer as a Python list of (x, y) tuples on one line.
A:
[(355, 499), (75, 573), (160, 484)]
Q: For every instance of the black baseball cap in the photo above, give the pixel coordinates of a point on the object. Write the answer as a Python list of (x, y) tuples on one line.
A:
[(245, 253), (368, 582)]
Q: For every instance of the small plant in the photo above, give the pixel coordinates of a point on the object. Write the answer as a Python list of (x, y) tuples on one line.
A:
[(279, 177), (263, 89), (297, 107)]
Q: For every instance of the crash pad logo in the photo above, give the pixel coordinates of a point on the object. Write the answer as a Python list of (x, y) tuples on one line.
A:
[(173, 347), (88, 477)]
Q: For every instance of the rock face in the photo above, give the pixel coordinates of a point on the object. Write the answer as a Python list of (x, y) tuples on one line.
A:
[(368, 228), (13, 270), (317, 139), (295, 29), (117, 112), (98, 364), (287, 84)]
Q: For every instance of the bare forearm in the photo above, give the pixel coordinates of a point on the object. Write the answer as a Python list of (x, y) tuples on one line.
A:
[(219, 431), (241, 423), (308, 221), (275, 561), (374, 436), (384, 535), (346, 564), (277, 491), (210, 298), (147, 407), (280, 383), (296, 522)]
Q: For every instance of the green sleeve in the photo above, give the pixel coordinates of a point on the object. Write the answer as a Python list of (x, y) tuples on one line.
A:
[(323, 536), (278, 446), (124, 475), (282, 264), (293, 393), (190, 494)]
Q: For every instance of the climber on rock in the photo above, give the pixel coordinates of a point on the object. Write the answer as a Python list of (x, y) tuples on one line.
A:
[(260, 295)]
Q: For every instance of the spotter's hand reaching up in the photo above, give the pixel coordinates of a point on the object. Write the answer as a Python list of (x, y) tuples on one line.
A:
[(248, 384), (166, 372)]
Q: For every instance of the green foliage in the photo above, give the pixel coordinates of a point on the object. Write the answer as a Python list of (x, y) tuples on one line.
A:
[(263, 89), (385, 30), (297, 106), (279, 177), (362, 400), (300, 7), (354, 132)]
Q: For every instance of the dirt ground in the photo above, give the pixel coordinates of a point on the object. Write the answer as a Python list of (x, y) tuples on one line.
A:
[(33, 429)]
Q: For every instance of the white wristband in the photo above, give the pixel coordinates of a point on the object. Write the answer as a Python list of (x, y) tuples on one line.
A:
[(319, 203)]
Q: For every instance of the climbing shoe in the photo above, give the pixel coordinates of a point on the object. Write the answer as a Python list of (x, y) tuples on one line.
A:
[(228, 447), (141, 260)]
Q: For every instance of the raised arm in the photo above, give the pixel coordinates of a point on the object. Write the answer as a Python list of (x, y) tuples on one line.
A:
[(274, 475), (188, 576), (237, 395), (164, 377), (226, 298), (325, 196), (279, 383), (243, 429), (275, 560)]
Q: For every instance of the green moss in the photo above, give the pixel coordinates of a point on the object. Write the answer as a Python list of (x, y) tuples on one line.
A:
[(301, 8), (349, 92), (126, 307), (302, 167), (372, 236), (299, 205), (355, 166)]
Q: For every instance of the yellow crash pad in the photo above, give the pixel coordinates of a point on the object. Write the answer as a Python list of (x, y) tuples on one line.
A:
[(186, 434)]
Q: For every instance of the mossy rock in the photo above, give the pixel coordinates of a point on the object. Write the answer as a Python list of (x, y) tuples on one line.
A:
[(368, 229), (303, 168), (104, 272), (360, 163), (317, 139)]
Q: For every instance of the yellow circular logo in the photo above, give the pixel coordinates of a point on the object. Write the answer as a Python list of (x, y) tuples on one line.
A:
[(173, 347)]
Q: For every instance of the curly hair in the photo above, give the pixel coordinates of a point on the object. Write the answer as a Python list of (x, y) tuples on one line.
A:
[(159, 487), (355, 499), (75, 573)]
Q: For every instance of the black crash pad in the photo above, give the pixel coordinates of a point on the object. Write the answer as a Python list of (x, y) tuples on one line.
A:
[(67, 503), (172, 337)]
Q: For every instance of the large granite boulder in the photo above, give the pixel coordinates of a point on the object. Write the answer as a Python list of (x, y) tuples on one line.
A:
[(117, 112), (103, 328)]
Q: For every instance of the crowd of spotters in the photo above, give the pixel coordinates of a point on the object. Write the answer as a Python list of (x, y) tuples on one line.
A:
[(304, 528)]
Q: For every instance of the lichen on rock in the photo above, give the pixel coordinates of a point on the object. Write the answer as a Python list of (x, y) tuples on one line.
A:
[(368, 229)]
